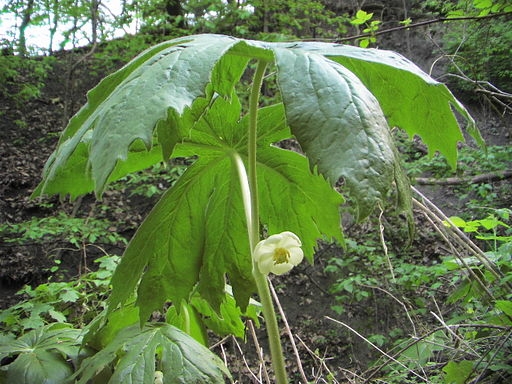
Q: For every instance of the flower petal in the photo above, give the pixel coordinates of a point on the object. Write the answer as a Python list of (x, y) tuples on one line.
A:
[(266, 265), (290, 239), (274, 239), (279, 269), (296, 255), (263, 252)]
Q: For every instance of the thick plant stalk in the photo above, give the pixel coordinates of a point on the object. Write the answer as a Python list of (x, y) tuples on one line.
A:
[(269, 314), (249, 185)]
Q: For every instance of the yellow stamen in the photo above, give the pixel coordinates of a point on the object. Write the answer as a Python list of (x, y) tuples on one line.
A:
[(281, 255)]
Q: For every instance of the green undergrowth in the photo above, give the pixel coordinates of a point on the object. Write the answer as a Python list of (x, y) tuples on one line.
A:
[(64, 297), (436, 315), (76, 231), (441, 312), (471, 181), (471, 162), (75, 302), (22, 79)]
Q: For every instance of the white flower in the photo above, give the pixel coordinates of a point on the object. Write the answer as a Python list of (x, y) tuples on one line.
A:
[(278, 253), (159, 377)]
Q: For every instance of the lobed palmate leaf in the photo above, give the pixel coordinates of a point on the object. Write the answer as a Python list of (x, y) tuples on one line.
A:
[(409, 98), (196, 233), (177, 99), (137, 353), (43, 355), (340, 125), (117, 123)]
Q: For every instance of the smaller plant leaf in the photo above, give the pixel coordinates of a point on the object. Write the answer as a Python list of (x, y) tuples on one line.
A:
[(458, 372), (505, 306), (57, 316), (69, 296), (41, 355), (137, 354), (361, 17), (482, 4), (421, 352)]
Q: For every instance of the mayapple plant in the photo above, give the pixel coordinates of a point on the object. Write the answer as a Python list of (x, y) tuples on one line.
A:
[(178, 99)]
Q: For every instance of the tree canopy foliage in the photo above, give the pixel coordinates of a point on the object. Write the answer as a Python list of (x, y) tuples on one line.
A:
[(76, 23), (476, 38)]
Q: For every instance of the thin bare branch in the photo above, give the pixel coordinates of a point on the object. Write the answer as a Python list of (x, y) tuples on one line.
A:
[(377, 348), (288, 331), (259, 350), (483, 178), (421, 24)]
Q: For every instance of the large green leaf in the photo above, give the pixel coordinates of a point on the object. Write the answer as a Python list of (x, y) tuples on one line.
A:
[(339, 125), (410, 98), (196, 233), (174, 246), (126, 124), (137, 354), (123, 110)]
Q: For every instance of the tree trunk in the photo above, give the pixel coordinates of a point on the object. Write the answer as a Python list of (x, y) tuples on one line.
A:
[(261, 11), (174, 11), (95, 4), (25, 21), (55, 23), (265, 17)]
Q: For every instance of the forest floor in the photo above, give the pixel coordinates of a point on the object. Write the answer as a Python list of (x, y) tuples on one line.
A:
[(29, 133)]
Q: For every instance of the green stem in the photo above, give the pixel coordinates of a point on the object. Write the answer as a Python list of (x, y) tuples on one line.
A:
[(267, 305), (276, 350), (186, 316), (252, 145)]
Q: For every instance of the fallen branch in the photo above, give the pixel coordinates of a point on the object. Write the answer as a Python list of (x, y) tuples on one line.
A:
[(483, 178)]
